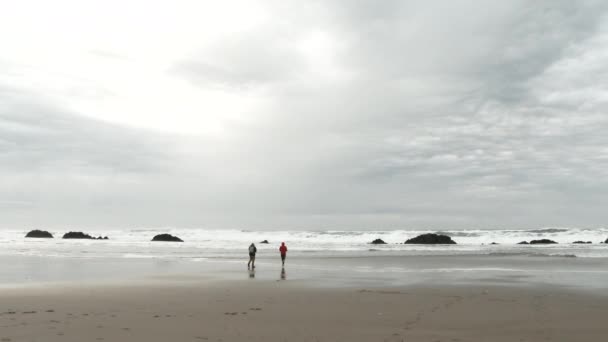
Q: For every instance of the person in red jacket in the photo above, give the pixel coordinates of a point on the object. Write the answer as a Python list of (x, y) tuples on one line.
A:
[(283, 250)]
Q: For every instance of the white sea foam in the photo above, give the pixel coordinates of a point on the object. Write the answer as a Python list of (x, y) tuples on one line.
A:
[(209, 243)]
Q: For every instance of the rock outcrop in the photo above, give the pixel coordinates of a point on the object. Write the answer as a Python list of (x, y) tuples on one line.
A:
[(265, 241), (167, 237), (77, 235), (523, 243), (582, 242), (431, 239), (378, 242), (542, 242), (39, 234)]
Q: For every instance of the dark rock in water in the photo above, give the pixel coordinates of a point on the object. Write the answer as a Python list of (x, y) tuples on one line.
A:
[(494, 243), (265, 241), (39, 234), (167, 237), (378, 242), (523, 243), (431, 239), (77, 235), (582, 242), (105, 238), (542, 242), (606, 241), (102, 238)]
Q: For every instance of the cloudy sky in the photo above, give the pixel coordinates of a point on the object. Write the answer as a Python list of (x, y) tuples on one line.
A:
[(304, 114)]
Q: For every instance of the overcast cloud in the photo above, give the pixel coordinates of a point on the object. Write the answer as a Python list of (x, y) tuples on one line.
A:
[(304, 114)]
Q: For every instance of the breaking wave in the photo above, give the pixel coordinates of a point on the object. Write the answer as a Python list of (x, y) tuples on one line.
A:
[(214, 243)]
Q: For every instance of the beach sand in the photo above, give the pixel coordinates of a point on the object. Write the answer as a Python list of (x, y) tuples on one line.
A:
[(282, 311)]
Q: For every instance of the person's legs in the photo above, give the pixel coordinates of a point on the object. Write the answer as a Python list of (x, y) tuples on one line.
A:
[(250, 260), (253, 261), (283, 259)]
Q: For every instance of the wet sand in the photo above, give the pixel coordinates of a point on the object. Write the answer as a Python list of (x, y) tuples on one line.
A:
[(375, 270), (246, 310)]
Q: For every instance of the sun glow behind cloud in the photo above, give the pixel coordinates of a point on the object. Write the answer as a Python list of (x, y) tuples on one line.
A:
[(111, 62)]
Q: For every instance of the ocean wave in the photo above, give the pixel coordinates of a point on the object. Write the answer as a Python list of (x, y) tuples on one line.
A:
[(204, 242), (548, 230), (460, 234), (508, 254), (138, 256), (347, 233), (554, 255)]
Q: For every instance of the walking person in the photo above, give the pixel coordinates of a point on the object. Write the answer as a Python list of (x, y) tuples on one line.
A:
[(283, 250), (252, 251)]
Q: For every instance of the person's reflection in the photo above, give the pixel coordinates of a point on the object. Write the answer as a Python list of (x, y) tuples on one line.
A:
[(283, 274), (252, 273)]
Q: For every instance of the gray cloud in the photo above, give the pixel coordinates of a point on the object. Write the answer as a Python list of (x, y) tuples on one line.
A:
[(256, 58), (38, 136), (443, 113), (434, 115), (59, 167)]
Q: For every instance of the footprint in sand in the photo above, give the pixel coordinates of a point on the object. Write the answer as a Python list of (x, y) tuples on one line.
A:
[(51, 310), (5, 339), (29, 312)]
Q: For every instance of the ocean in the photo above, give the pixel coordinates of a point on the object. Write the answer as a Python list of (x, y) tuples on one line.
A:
[(326, 256), (207, 243)]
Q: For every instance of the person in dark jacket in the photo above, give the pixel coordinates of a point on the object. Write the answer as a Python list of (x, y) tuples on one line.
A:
[(252, 251)]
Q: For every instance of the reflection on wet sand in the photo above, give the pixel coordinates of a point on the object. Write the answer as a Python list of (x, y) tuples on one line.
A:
[(283, 274)]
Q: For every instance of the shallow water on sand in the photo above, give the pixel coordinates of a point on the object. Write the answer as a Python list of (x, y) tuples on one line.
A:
[(336, 271)]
